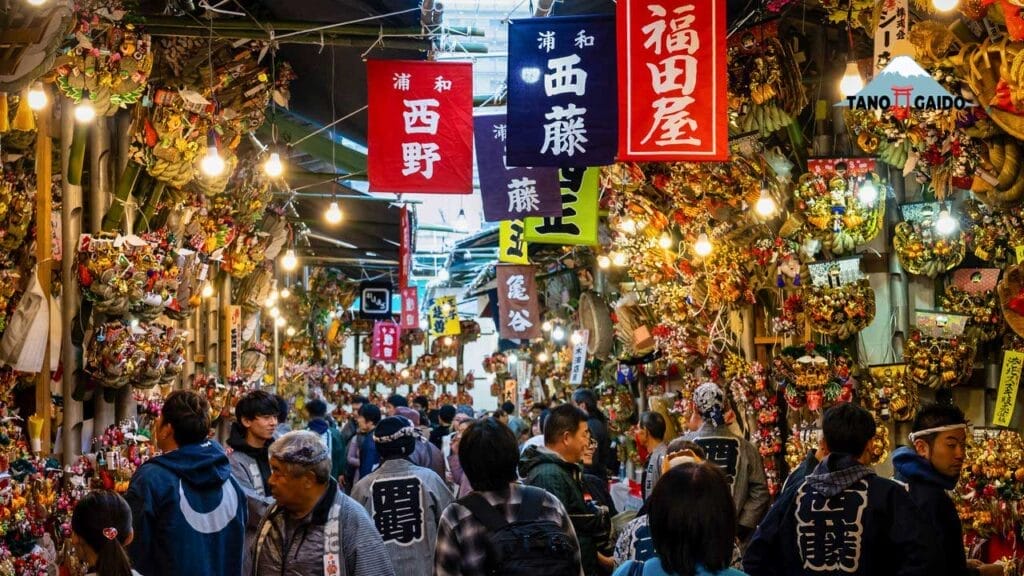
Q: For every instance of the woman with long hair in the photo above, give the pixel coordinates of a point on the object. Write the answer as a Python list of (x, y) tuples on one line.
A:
[(101, 528), (693, 525)]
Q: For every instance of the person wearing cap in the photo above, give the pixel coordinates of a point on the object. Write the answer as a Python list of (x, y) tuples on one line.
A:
[(316, 409), (931, 467), (843, 519), (445, 415), (405, 501), (738, 457), (314, 529), (425, 453)]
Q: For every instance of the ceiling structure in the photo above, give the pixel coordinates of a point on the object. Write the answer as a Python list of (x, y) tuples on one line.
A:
[(326, 123)]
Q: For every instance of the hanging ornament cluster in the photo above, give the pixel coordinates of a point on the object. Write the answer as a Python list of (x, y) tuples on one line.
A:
[(926, 242), (766, 89), (839, 203), (142, 275), (937, 362), (108, 59), (142, 356)]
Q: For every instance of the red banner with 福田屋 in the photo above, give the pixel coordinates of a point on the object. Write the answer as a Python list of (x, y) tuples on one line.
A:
[(420, 126), (672, 80)]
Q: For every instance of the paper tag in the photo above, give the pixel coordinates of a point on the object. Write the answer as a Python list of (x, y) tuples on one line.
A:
[(1020, 253), (940, 324)]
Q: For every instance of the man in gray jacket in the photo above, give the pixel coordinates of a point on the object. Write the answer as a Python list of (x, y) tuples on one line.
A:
[(739, 459), (251, 434), (314, 529), (405, 501)]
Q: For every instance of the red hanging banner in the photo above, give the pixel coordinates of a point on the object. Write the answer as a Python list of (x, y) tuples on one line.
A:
[(518, 308), (404, 249), (421, 126), (410, 308), (672, 80), (385, 342)]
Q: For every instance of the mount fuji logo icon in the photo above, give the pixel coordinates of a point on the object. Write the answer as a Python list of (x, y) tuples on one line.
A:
[(904, 84)]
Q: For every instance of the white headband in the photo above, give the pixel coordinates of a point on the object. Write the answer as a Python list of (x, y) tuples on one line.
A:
[(928, 431)]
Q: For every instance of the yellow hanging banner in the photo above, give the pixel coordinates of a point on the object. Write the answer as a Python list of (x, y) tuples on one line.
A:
[(1013, 362), (444, 317), (512, 247)]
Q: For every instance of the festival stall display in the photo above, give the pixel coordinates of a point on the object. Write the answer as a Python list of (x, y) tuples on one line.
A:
[(640, 279)]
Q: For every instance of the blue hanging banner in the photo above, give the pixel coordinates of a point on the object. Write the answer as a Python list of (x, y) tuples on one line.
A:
[(562, 91)]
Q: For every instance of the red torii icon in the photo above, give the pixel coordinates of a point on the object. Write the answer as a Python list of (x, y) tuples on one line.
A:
[(898, 92)]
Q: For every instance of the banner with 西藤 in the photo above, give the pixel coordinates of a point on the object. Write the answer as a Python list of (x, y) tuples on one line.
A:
[(410, 308), (578, 223), (443, 317), (385, 344), (510, 192), (673, 80), (518, 308), (512, 245), (420, 126), (562, 91)]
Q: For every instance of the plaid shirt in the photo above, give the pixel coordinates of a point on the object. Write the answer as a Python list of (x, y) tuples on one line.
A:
[(462, 541)]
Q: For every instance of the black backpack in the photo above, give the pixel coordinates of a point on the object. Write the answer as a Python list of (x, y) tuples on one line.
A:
[(528, 546)]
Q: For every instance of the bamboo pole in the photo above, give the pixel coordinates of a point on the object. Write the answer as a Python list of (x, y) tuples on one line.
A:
[(100, 188), (71, 228), (312, 39), (44, 258), (224, 298)]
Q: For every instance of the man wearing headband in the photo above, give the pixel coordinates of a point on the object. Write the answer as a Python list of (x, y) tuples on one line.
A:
[(843, 519), (314, 529), (405, 501), (931, 467), (739, 459)]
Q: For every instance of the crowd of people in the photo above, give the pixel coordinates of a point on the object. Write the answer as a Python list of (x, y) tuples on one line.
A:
[(421, 491)]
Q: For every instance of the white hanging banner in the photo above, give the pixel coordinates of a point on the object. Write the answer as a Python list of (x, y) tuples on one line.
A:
[(579, 356), (891, 35)]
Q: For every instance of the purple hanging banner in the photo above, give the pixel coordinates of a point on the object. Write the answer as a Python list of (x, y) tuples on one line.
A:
[(511, 193)]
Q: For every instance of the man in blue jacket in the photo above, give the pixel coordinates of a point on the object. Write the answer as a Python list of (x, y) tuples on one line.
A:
[(188, 511), (842, 519)]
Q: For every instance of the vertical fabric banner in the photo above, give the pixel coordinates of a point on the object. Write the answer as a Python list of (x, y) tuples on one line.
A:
[(444, 317), (385, 344), (375, 300), (673, 80), (578, 223), (420, 126), (510, 193), (512, 245), (579, 356), (404, 248), (1009, 380), (562, 91), (518, 309), (891, 34), (410, 308)]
